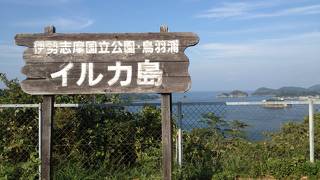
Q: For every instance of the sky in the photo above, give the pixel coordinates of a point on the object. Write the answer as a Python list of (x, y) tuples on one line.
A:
[(243, 44)]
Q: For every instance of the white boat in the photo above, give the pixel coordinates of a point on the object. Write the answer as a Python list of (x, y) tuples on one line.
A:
[(276, 103)]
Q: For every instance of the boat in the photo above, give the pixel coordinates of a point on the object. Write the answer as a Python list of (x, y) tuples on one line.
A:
[(275, 103)]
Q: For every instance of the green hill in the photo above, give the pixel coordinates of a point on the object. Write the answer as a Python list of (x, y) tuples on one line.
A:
[(294, 91), (263, 91), (315, 88), (288, 91)]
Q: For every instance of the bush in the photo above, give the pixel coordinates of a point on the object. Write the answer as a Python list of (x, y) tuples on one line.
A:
[(91, 142)]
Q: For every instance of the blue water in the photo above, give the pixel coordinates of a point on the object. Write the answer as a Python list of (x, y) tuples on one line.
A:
[(206, 96), (259, 119)]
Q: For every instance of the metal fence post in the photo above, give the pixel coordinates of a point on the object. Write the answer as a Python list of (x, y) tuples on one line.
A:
[(39, 135), (179, 158), (177, 150), (311, 130)]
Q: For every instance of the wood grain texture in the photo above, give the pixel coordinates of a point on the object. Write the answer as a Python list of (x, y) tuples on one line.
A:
[(166, 126), (39, 67), (166, 135), (44, 70), (46, 86), (186, 38), (29, 56), (47, 111)]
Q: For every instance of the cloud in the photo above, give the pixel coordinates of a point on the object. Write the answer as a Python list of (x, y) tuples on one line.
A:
[(9, 52), (11, 60), (228, 10), (252, 10), (221, 50), (59, 22), (298, 47), (305, 10), (256, 28), (275, 62)]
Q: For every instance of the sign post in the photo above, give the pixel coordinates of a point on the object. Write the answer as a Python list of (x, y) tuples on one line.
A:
[(100, 63), (166, 104), (47, 107), (46, 127)]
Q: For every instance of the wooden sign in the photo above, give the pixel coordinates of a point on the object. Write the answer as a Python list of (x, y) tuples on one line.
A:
[(106, 63)]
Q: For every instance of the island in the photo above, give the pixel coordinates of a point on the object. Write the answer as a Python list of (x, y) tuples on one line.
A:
[(133, 97), (288, 91), (233, 94)]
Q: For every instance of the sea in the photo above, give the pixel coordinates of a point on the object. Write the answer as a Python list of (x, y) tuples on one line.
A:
[(260, 120)]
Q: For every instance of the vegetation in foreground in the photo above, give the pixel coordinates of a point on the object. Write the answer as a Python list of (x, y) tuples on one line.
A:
[(113, 143)]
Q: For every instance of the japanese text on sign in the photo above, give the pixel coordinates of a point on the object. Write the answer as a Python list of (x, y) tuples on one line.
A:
[(149, 73), (106, 47)]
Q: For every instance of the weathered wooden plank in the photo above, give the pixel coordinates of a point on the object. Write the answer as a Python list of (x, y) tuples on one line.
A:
[(46, 126), (29, 56), (47, 110), (53, 86), (163, 54), (138, 49), (166, 135), (44, 70), (186, 38), (166, 126)]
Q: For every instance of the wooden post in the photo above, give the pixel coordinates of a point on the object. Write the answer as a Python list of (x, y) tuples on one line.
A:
[(47, 110), (166, 102), (46, 128), (166, 136)]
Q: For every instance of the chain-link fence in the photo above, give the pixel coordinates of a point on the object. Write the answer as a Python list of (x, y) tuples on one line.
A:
[(19, 142), (116, 140)]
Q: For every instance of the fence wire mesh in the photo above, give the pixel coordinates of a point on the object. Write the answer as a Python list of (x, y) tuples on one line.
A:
[(261, 118), (19, 141), (102, 137), (108, 139)]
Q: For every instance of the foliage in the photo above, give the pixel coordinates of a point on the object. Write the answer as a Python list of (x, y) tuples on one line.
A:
[(24, 170), (18, 141), (284, 155), (94, 137), (92, 142)]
